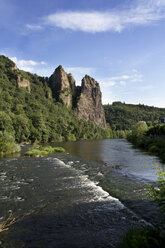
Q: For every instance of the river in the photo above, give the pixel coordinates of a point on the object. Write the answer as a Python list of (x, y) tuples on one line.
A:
[(87, 197)]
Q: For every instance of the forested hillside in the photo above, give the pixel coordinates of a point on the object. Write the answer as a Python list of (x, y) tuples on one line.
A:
[(28, 112), (121, 116)]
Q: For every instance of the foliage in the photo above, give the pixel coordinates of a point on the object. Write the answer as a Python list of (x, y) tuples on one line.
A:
[(36, 153), (148, 238), (156, 130), (7, 143), (50, 149), (143, 238), (158, 192), (121, 116), (151, 139), (36, 116), (138, 132), (44, 151)]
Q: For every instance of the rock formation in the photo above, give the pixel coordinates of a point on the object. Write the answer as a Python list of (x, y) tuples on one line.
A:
[(72, 83), (22, 82), (14, 68), (86, 100), (60, 86), (89, 104)]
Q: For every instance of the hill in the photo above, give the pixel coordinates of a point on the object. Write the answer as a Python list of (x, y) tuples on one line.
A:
[(121, 116)]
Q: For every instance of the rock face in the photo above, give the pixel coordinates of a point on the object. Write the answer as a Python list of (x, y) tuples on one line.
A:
[(89, 104), (72, 83), (85, 99), (14, 68), (60, 86), (22, 82)]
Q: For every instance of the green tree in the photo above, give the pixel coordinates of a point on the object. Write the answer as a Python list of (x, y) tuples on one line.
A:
[(139, 130), (7, 143)]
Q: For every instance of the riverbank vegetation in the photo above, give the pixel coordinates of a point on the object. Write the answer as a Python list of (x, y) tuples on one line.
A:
[(150, 237), (7, 144), (143, 238), (44, 151), (150, 139)]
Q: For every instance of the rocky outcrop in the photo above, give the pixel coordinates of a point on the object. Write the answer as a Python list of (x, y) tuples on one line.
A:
[(89, 103), (60, 86), (85, 99), (22, 82), (14, 68), (72, 83)]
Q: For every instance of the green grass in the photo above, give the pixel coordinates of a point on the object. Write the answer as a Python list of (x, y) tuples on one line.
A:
[(44, 151)]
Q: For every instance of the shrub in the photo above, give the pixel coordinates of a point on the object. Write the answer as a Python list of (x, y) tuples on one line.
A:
[(36, 153), (7, 144), (158, 193), (143, 238), (153, 149), (44, 151)]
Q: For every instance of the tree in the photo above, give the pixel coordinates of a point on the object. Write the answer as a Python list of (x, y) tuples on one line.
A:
[(139, 130)]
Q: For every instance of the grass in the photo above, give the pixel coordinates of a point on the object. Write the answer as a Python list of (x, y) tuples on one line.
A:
[(44, 151), (143, 238)]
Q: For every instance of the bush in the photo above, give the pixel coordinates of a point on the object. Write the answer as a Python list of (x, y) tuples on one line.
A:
[(158, 193), (143, 238), (7, 144), (36, 153), (44, 151), (153, 149)]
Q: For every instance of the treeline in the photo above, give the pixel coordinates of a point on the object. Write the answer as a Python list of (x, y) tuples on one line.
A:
[(150, 139), (121, 116), (36, 116)]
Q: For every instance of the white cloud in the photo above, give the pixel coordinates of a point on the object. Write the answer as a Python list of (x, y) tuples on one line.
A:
[(122, 80), (136, 78), (120, 77), (34, 27), (107, 82), (85, 21), (143, 12), (27, 65)]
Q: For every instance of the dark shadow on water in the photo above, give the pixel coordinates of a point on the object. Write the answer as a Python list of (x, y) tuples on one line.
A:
[(90, 225)]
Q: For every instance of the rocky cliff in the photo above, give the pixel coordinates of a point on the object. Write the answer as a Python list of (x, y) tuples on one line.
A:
[(61, 86), (86, 100), (22, 82), (89, 104)]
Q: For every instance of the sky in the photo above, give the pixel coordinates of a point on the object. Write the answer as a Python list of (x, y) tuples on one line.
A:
[(120, 43)]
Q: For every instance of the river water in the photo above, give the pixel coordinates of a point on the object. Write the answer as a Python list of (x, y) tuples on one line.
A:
[(88, 197)]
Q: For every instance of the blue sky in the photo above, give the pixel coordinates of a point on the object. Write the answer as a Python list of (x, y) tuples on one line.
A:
[(121, 43)]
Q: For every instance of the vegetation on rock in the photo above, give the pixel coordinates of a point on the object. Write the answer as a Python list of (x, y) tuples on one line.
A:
[(44, 151)]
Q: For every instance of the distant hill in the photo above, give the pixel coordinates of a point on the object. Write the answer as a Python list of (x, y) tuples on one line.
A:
[(121, 116), (44, 109)]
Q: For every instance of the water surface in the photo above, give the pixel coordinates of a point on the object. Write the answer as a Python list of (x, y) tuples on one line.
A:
[(88, 197)]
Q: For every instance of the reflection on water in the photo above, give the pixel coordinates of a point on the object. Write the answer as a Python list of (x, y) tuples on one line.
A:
[(118, 154)]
